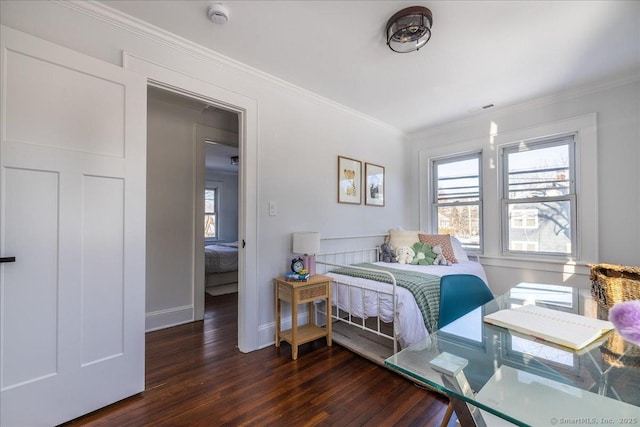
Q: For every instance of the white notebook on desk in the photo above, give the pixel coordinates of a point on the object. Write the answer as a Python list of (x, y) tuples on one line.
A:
[(567, 329)]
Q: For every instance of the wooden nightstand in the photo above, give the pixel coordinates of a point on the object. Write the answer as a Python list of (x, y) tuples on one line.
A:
[(317, 287)]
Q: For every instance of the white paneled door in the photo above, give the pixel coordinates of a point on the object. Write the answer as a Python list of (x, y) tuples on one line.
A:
[(72, 213)]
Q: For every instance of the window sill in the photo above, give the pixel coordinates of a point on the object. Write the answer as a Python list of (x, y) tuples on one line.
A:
[(538, 264)]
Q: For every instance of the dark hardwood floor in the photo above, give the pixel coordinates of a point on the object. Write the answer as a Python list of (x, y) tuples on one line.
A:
[(195, 376)]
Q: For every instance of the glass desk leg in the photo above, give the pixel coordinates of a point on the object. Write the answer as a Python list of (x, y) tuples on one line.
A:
[(451, 367), (603, 384)]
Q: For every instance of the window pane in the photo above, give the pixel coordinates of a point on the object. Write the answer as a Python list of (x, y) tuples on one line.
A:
[(210, 217), (539, 172), (524, 218), (457, 198), (210, 201), (540, 227), (209, 226), (463, 222), (458, 181)]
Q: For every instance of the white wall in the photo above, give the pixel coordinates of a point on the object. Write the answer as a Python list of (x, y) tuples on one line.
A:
[(170, 213), (617, 109), (299, 138)]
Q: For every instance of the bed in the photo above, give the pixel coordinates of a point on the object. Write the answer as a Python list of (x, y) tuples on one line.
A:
[(221, 264), (364, 296)]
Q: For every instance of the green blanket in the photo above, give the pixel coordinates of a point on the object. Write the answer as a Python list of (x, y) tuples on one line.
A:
[(424, 287)]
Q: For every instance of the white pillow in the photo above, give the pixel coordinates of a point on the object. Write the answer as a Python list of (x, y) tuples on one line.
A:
[(398, 238), (458, 252)]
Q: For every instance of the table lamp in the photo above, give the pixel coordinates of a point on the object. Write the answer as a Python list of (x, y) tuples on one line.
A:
[(307, 244)]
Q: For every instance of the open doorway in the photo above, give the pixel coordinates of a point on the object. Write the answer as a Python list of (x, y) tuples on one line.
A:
[(220, 218), (250, 336), (192, 202)]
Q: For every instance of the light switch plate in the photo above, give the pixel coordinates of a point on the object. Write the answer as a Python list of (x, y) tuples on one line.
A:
[(273, 209)]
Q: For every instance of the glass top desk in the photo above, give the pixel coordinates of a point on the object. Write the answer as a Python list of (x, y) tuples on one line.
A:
[(488, 371)]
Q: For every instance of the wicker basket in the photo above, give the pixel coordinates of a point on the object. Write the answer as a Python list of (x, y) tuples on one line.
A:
[(620, 353), (611, 284)]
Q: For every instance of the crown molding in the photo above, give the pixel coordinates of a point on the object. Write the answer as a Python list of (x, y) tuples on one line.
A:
[(572, 93), (116, 18)]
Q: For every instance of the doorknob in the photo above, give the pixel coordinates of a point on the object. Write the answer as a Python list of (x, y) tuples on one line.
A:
[(7, 259)]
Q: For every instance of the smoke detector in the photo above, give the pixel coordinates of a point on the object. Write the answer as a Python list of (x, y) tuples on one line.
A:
[(219, 13)]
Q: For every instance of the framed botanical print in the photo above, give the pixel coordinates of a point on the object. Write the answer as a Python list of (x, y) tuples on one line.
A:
[(349, 180), (374, 191)]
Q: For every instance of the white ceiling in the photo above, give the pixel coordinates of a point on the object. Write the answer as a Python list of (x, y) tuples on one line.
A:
[(218, 157), (481, 52)]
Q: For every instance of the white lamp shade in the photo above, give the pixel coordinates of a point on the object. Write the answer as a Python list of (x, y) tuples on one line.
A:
[(306, 243)]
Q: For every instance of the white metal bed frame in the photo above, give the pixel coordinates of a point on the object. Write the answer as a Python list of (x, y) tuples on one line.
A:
[(347, 258)]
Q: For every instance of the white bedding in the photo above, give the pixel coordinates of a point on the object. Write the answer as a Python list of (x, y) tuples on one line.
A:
[(410, 327), (220, 258)]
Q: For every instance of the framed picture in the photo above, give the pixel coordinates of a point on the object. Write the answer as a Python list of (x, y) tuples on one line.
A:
[(374, 191), (349, 180)]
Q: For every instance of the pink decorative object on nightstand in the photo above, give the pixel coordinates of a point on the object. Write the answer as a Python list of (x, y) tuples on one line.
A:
[(307, 244)]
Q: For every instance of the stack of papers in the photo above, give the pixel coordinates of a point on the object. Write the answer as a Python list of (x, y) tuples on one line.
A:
[(567, 329)]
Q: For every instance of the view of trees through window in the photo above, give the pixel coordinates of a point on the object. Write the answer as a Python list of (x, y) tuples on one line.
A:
[(539, 196), (462, 222), (458, 198), (210, 213)]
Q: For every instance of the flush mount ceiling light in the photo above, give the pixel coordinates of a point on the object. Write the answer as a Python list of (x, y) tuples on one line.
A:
[(409, 29)]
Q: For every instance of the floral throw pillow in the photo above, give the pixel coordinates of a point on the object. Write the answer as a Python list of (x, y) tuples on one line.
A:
[(444, 240)]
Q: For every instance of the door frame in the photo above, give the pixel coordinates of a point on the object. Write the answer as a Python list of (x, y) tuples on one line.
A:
[(184, 84)]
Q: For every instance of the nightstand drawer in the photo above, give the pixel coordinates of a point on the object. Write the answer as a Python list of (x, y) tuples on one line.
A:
[(311, 293)]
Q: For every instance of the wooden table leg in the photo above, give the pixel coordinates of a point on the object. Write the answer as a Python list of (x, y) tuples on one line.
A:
[(312, 314), (294, 327), (277, 315), (447, 415), (328, 314)]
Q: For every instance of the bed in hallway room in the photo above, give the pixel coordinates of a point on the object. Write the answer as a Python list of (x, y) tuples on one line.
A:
[(221, 265)]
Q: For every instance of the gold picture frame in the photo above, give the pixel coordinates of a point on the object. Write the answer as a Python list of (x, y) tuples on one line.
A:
[(349, 180), (374, 184)]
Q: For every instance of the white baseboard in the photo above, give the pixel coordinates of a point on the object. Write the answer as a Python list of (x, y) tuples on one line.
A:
[(169, 317), (267, 335)]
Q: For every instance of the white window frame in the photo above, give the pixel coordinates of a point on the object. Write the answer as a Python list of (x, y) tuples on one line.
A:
[(539, 143), (524, 244), (216, 189), (435, 204), (499, 133)]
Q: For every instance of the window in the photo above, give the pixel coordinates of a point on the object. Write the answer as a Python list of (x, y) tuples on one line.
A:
[(524, 218), (539, 197), (211, 213), (457, 198)]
